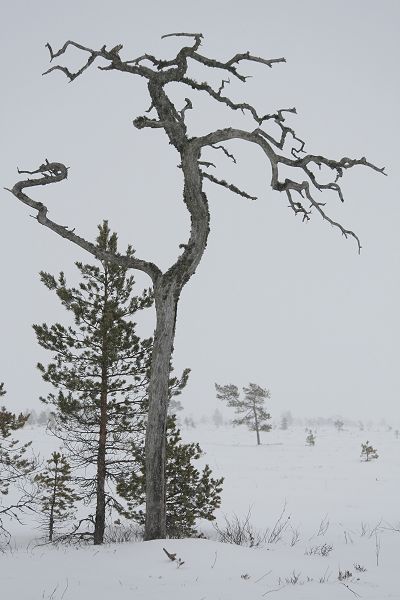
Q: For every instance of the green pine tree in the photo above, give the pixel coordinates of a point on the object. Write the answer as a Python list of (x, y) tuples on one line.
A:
[(368, 452), (100, 370), (250, 407), (191, 494), (15, 464), (310, 439), (57, 497)]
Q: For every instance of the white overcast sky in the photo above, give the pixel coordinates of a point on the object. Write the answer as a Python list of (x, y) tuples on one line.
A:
[(288, 305)]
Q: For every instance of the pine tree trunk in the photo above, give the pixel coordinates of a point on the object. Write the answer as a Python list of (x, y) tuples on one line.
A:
[(256, 426), (100, 519), (155, 445), (166, 293), (51, 524), (53, 502)]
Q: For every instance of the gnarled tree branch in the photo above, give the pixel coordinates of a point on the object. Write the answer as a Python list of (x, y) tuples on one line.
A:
[(53, 172), (288, 185)]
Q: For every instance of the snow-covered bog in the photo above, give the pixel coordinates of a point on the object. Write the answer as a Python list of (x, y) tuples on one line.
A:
[(327, 526)]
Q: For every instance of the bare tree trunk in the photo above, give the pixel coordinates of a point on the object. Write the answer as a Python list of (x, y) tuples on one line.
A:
[(167, 291), (155, 445)]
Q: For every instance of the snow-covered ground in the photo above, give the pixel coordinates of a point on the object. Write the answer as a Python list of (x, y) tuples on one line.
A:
[(337, 515)]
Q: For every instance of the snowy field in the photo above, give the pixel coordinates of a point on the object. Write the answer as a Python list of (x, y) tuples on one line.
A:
[(327, 523)]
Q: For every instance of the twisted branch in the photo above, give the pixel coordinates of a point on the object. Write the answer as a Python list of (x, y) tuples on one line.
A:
[(288, 186), (291, 147), (53, 172)]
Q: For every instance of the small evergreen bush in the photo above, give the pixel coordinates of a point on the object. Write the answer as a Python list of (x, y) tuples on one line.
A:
[(57, 497), (368, 452), (310, 439)]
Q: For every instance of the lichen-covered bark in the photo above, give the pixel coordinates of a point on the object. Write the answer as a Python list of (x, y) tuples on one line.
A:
[(167, 292), (166, 306)]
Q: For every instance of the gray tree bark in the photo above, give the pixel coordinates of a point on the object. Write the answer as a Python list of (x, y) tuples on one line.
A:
[(256, 424), (285, 149)]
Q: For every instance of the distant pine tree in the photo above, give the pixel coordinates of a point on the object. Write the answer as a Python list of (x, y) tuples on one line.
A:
[(339, 424), (217, 418), (174, 406), (57, 497), (284, 423), (190, 494), (43, 418), (251, 407)]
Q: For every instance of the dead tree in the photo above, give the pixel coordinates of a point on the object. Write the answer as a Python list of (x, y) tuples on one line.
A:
[(281, 149)]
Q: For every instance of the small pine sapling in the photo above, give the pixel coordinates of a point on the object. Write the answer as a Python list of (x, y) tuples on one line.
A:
[(57, 497), (15, 466), (368, 452), (251, 409), (13, 462), (310, 439)]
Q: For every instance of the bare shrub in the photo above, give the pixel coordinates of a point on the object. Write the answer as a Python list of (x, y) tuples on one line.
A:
[(293, 579), (240, 532), (323, 550), (325, 577), (120, 533), (281, 524), (295, 536), (363, 529), (323, 527)]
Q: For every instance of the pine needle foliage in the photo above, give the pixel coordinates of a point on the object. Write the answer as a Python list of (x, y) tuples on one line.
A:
[(191, 494), (15, 466), (339, 424), (57, 496), (310, 439), (250, 408), (100, 371)]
